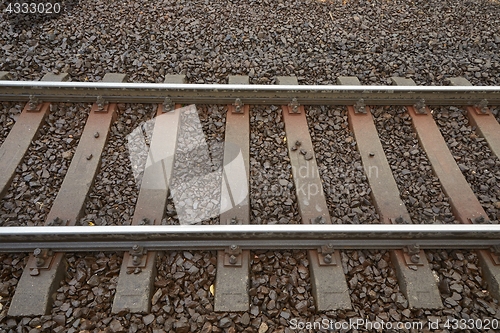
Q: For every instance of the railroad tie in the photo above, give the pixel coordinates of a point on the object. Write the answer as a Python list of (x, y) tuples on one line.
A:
[(464, 204), (390, 207), (481, 117), (138, 271), (329, 286), (22, 134), (231, 285), (40, 279)]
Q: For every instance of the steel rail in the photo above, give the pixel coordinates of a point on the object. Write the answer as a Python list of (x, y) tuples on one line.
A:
[(217, 237), (251, 94)]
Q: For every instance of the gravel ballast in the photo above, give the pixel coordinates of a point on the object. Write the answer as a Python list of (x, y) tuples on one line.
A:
[(344, 180), (418, 186), (9, 113), (197, 172), (40, 174), (480, 167), (317, 41), (272, 190), (116, 187)]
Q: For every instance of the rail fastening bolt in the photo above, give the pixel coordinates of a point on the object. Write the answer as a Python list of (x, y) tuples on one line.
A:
[(415, 258), (327, 258), (136, 260), (89, 157), (319, 220), (96, 135), (234, 247), (39, 262), (232, 259)]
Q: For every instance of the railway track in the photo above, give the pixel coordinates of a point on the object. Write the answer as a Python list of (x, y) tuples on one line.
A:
[(234, 223)]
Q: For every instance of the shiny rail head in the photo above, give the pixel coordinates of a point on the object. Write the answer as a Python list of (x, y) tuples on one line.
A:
[(218, 237), (417, 230), (248, 94), (237, 87)]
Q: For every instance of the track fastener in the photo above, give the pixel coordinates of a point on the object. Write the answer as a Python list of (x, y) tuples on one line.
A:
[(399, 220), (34, 104), (479, 219), (419, 106), (89, 157), (168, 105), (495, 254), (56, 222), (42, 260), (318, 220), (138, 258), (294, 106), (412, 255), (96, 135), (360, 106), (238, 106), (326, 255), (482, 106), (145, 221), (102, 104), (232, 256), (296, 145)]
